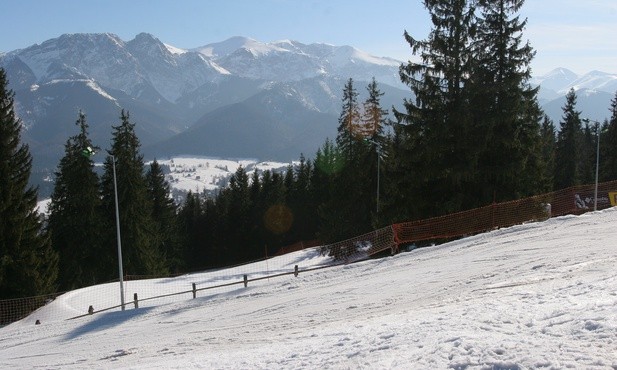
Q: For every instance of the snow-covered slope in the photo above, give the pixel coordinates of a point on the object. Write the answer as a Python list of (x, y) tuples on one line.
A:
[(540, 295)]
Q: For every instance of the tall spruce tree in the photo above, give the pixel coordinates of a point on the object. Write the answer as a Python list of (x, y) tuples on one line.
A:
[(28, 264), (328, 165), (374, 118), (74, 213), (568, 146), (608, 146), (438, 145), (141, 241), (164, 214), (589, 137), (547, 132), (507, 115), (239, 224), (274, 217), (349, 209), (350, 124), (302, 202), (191, 228)]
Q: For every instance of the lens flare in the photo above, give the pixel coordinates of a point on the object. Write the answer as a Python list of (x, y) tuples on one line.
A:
[(278, 219)]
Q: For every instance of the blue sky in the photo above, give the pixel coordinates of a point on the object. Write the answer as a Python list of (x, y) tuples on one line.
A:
[(578, 35)]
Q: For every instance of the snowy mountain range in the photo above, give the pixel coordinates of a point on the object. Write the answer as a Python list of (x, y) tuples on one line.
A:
[(239, 98)]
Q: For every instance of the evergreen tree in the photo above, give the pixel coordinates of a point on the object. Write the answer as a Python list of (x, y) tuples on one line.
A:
[(28, 264), (350, 125), (568, 146), (191, 229), (164, 214), (397, 203), (239, 219), (506, 112), (274, 216), (74, 213), (547, 134), (303, 202), (373, 116), (438, 143), (328, 165), (374, 119), (141, 241), (350, 207), (588, 151), (608, 146)]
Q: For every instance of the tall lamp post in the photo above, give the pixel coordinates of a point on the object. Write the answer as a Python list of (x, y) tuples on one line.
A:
[(379, 155), (113, 166), (89, 152), (595, 194)]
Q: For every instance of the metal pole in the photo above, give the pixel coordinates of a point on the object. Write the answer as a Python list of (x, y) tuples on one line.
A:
[(113, 164), (377, 181), (595, 196)]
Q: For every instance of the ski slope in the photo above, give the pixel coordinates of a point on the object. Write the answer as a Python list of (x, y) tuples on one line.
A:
[(540, 295)]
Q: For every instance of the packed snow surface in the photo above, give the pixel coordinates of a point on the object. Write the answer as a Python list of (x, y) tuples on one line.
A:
[(540, 295)]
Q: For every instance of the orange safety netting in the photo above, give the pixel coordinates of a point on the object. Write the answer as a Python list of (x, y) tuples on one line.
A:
[(574, 200)]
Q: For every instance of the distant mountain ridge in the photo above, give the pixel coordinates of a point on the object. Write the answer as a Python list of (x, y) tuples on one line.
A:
[(560, 80), (236, 98), (168, 89), (594, 91)]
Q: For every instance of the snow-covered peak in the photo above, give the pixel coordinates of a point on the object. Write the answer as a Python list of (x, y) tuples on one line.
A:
[(349, 54), (175, 50), (593, 81), (223, 48), (556, 80), (560, 73), (244, 44)]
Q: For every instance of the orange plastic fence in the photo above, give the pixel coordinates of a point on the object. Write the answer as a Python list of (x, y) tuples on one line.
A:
[(575, 200)]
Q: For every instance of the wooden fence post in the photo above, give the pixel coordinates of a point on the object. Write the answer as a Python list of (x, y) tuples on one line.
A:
[(194, 291), (246, 280), (135, 300)]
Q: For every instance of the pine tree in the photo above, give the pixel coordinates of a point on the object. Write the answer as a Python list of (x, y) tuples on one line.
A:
[(328, 165), (140, 240), (373, 115), (164, 214), (74, 213), (350, 207), (507, 114), (191, 229), (374, 119), (588, 151), (239, 221), (438, 144), (274, 217), (350, 125), (568, 146), (548, 145), (608, 146), (303, 202), (28, 264), (398, 203)]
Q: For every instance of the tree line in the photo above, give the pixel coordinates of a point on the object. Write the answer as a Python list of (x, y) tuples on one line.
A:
[(471, 133)]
